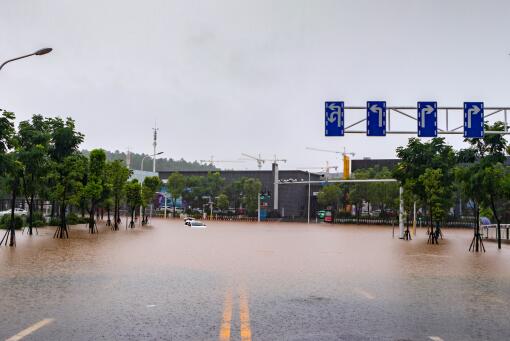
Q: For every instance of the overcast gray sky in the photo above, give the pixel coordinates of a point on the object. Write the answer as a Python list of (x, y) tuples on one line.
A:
[(225, 77)]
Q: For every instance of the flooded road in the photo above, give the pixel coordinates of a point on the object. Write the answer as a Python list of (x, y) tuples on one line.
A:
[(249, 281)]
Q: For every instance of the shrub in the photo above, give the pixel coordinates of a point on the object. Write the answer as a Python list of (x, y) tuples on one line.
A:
[(38, 219), (5, 222), (54, 222)]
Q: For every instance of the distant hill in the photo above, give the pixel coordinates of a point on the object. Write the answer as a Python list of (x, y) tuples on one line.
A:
[(161, 163)]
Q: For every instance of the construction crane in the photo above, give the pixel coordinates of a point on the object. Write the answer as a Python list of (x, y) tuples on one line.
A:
[(346, 159), (325, 169), (261, 161), (276, 180), (212, 161)]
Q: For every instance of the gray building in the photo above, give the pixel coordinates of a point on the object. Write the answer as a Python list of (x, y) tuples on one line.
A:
[(292, 198)]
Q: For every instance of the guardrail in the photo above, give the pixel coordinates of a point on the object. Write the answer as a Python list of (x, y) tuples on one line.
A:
[(489, 227)]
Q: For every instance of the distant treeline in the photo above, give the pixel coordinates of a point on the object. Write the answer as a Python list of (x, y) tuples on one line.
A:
[(161, 163)]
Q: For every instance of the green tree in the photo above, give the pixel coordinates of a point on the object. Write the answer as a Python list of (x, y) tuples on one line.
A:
[(118, 175), (489, 153), (469, 180), (175, 184), (150, 186), (133, 198), (330, 195), (68, 166), (495, 188), (8, 166), (12, 180), (95, 186), (438, 198), (7, 133), (68, 185), (222, 202), (251, 190), (416, 158), (33, 146)]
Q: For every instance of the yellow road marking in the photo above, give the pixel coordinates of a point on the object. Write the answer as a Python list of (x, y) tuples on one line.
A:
[(364, 293), (30, 330), (244, 315), (227, 317)]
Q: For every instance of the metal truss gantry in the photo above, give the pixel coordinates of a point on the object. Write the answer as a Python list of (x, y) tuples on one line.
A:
[(446, 111)]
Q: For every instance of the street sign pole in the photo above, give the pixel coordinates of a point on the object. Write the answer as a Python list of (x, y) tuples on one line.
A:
[(401, 213), (258, 207)]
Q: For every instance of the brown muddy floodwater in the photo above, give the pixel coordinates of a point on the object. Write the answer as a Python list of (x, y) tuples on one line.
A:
[(249, 281)]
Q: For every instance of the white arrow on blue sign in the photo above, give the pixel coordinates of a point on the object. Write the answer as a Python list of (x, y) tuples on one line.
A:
[(427, 119), (334, 119), (376, 118), (473, 119)]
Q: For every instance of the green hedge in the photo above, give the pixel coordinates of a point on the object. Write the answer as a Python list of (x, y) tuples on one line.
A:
[(5, 222)]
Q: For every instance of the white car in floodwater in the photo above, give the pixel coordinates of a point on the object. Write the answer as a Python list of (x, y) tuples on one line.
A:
[(196, 224), (17, 211)]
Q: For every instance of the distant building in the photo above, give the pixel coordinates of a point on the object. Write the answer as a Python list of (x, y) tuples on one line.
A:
[(370, 163), (292, 198)]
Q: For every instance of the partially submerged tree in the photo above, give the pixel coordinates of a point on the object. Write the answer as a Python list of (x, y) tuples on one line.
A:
[(438, 198), (330, 195), (34, 139), (175, 185), (68, 164), (95, 188), (251, 190), (118, 175), (489, 154), (415, 159), (149, 187), (7, 135), (222, 202), (133, 198)]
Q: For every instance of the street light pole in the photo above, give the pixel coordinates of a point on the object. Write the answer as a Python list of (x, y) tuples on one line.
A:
[(141, 185), (36, 53), (309, 197)]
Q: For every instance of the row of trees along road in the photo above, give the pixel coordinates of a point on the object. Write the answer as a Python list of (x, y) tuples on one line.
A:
[(198, 191), (383, 195), (41, 160), (433, 174)]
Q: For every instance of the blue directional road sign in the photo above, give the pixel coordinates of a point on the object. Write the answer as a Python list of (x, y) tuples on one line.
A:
[(427, 119), (376, 118), (334, 118), (473, 119)]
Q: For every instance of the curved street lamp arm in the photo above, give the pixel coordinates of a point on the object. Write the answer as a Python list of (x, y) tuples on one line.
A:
[(11, 60)]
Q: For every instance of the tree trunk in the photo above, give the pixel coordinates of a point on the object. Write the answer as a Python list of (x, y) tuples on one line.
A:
[(91, 218), (115, 216), (30, 214), (498, 222), (52, 209), (63, 226), (12, 241)]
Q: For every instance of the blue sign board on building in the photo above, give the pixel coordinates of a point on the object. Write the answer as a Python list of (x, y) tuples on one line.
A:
[(473, 119), (427, 119), (334, 118), (376, 118)]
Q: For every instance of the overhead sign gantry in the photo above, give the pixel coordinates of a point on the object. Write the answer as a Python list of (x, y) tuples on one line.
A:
[(378, 119)]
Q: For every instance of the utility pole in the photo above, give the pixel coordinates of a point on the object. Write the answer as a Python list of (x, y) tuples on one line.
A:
[(154, 145), (128, 159), (258, 207)]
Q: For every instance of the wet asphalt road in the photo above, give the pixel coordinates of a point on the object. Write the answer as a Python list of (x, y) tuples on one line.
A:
[(248, 281)]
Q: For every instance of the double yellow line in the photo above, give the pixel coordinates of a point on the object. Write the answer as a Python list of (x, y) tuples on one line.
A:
[(244, 316)]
